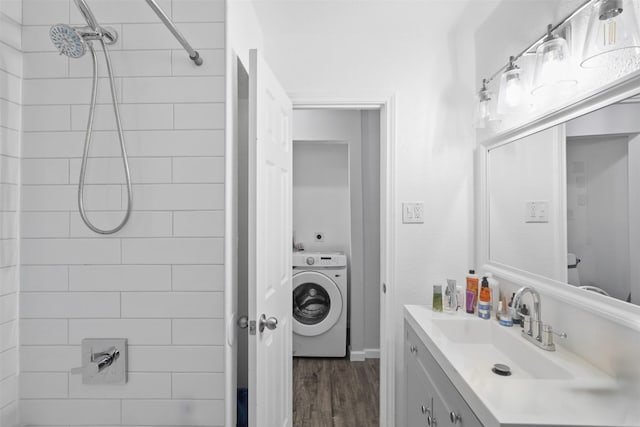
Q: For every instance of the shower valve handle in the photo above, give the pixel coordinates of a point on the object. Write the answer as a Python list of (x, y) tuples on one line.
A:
[(99, 362)]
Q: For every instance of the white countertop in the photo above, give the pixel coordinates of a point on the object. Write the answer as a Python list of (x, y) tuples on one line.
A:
[(577, 394)]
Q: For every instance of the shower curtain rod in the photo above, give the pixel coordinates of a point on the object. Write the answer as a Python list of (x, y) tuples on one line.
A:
[(193, 54)]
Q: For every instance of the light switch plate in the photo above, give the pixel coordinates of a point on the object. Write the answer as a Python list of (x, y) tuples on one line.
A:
[(413, 212), (536, 211), (114, 374)]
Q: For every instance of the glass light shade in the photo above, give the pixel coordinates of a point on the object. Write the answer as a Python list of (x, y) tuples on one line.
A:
[(485, 111), (613, 36), (554, 72), (512, 94)]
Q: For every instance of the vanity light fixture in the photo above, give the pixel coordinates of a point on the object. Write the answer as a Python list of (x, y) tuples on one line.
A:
[(512, 92), (511, 95), (613, 36), (554, 72)]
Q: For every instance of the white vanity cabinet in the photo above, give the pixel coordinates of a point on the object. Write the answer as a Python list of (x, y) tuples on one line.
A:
[(432, 400)]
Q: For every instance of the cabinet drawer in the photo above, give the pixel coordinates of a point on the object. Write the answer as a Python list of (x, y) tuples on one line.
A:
[(449, 395)]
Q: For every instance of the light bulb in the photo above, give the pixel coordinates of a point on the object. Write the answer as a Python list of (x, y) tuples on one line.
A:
[(485, 108), (613, 36), (511, 89), (513, 92)]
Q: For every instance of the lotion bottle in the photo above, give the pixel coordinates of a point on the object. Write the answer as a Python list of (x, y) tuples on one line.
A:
[(472, 291)]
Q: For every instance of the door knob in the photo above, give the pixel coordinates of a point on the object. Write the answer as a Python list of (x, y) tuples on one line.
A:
[(271, 323), (243, 322)]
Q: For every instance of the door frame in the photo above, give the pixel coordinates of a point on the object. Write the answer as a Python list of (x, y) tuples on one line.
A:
[(387, 106)]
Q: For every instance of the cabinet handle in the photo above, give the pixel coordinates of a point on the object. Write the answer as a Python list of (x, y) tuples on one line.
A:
[(431, 421), (413, 349), (454, 417), (425, 410)]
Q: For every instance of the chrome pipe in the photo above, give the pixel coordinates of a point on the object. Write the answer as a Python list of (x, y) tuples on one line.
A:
[(193, 54), (87, 14)]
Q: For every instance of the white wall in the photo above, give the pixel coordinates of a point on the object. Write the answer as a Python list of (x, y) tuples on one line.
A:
[(518, 173), (160, 281), (598, 211), (617, 119), (321, 202), (345, 50), (10, 125), (360, 129), (371, 226)]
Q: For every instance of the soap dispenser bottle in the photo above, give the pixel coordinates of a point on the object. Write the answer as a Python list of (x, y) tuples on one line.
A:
[(484, 302)]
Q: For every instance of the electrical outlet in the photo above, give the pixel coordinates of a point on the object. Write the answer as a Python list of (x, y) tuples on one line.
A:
[(413, 212), (536, 211)]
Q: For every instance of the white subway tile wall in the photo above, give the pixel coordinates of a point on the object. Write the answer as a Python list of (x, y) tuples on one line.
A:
[(10, 127), (158, 282)]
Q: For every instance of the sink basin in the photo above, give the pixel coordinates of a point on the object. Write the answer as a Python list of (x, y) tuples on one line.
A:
[(490, 343)]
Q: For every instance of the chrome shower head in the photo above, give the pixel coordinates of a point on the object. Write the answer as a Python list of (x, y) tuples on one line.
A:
[(87, 14), (68, 40), (73, 41)]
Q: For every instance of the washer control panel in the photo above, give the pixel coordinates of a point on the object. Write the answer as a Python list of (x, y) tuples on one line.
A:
[(302, 259)]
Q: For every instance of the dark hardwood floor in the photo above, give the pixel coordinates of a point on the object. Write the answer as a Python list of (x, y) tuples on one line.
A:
[(335, 393)]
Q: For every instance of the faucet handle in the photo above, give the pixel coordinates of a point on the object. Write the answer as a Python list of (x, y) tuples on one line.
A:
[(99, 362), (548, 333), (88, 370)]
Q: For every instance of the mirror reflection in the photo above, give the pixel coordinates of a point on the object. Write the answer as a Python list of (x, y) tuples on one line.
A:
[(565, 203)]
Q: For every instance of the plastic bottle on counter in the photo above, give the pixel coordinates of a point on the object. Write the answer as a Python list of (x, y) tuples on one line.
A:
[(484, 302), (437, 298), (494, 287), (471, 298)]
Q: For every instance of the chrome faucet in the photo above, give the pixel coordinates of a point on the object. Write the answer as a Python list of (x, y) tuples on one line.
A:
[(534, 330)]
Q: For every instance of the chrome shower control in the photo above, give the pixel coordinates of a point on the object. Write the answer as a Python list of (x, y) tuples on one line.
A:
[(104, 361)]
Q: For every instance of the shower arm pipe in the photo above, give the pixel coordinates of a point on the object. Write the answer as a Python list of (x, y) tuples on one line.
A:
[(193, 54), (566, 19)]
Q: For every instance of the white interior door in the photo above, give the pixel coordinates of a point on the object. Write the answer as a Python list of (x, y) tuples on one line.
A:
[(270, 243)]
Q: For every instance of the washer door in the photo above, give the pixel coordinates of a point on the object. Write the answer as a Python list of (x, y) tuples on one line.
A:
[(317, 303)]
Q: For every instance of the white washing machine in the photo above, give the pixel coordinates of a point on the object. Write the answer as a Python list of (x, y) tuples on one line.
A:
[(319, 304)]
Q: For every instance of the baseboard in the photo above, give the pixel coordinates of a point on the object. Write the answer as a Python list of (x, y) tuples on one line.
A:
[(356, 356), (367, 353), (372, 353)]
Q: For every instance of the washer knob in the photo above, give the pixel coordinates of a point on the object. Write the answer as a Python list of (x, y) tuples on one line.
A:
[(310, 260)]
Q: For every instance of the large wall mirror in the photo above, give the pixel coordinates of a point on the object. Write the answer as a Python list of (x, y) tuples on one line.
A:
[(564, 203)]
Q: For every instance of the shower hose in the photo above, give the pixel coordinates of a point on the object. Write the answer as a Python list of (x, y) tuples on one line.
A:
[(87, 143)]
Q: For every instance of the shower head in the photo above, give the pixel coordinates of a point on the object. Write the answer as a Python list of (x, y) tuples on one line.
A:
[(68, 40), (87, 14), (72, 41)]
